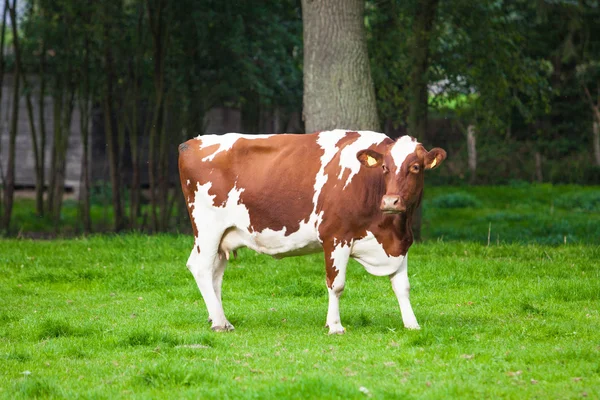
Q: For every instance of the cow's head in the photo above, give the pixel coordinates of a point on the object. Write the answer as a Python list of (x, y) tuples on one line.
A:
[(402, 166)]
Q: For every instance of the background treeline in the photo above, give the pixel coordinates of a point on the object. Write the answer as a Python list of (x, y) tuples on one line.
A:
[(513, 88)]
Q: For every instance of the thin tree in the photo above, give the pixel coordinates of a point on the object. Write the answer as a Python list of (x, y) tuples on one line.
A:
[(9, 181), (135, 122), (63, 98), (37, 143), (2, 39), (112, 142), (84, 98), (418, 83), (158, 148), (418, 102)]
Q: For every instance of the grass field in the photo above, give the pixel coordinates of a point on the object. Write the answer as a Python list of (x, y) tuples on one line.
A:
[(121, 317), (544, 214)]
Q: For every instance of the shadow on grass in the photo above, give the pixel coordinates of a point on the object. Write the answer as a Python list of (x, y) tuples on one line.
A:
[(154, 338)]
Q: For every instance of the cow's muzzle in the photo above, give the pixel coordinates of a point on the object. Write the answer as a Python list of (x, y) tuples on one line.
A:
[(392, 204)]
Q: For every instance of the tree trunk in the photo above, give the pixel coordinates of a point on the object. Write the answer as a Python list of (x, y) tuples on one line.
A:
[(595, 106), (38, 151), (538, 166), (112, 142), (85, 103), (39, 196), (135, 119), (9, 182), (63, 112), (596, 142), (418, 94), (113, 160), (56, 112), (84, 193), (2, 40), (338, 89), (163, 174), (157, 21), (418, 101), (84, 126), (472, 151)]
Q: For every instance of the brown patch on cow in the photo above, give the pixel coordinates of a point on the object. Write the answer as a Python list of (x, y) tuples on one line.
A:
[(198, 249), (394, 233), (330, 271), (209, 150), (349, 138), (278, 175), (189, 193)]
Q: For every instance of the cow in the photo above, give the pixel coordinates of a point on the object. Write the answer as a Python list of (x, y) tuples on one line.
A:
[(343, 193)]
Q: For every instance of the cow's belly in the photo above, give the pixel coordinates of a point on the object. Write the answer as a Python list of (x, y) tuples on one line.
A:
[(369, 252), (231, 222), (274, 243)]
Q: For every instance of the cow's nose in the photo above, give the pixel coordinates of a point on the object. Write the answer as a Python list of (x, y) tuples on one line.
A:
[(392, 204)]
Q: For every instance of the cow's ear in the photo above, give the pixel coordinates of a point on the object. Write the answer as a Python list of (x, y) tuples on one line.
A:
[(370, 158), (434, 158)]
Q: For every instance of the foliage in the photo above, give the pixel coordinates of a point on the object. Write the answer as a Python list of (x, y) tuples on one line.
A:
[(456, 200), (580, 201), (521, 213), (121, 316)]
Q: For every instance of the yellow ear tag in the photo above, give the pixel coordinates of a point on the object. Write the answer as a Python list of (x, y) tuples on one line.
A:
[(433, 164), (371, 161)]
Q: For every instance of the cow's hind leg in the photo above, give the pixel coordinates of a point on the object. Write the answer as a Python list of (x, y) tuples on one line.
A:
[(205, 265), (401, 288), (336, 261), (218, 273)]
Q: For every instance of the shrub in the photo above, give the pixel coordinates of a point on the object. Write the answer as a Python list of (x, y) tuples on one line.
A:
[(456, 200), (585, 201)]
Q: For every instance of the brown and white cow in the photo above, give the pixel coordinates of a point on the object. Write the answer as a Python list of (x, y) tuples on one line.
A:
[(347, 194)]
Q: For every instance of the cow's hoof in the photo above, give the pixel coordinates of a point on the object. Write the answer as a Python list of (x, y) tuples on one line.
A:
[(223, 328), (337, 330)]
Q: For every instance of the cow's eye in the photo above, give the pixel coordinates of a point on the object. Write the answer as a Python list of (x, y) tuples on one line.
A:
[(416, 168), (385, 169)]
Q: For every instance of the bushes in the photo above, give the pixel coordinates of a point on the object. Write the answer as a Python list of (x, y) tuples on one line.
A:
[(581, 201), (456, 200)]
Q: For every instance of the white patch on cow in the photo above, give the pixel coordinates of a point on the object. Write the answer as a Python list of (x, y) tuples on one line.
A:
[(188, 182), (348, 158), (401, 149), (339, 257), (401, 287), (202, 199), (225, 142), (371, 255), (327, 140)]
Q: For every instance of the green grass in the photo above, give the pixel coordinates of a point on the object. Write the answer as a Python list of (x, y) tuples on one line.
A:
[(543, 214), (121, 317)]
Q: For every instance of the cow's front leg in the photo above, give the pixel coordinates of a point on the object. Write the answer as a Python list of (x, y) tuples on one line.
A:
[(336, 261), (401, 288)]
